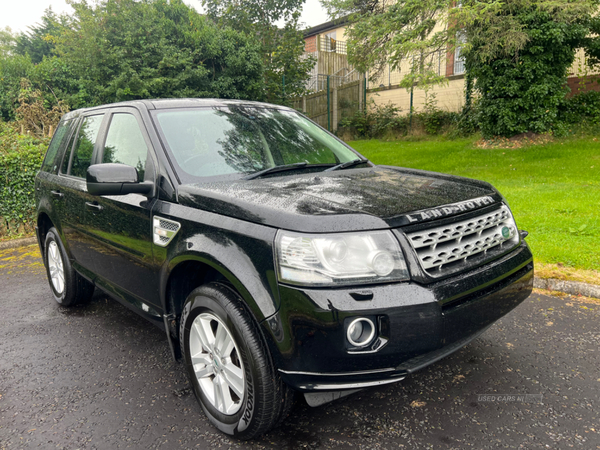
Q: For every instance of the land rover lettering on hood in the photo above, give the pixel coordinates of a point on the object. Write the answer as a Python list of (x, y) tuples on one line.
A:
[(278, 261)]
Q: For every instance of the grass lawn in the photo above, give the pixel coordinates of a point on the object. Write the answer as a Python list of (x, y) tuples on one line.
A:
[(553, 189)]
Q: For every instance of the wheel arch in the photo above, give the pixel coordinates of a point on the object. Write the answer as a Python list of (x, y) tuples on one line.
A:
[(184, 277), (44, 223), (188, 272)]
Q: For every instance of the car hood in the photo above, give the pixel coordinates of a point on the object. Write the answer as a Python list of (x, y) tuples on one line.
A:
[(345, 200)]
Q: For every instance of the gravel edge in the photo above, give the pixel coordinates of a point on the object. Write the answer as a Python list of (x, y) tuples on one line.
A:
[(15, 243), (567, 287)]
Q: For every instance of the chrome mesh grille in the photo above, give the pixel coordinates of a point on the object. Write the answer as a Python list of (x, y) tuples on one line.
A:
[(453, 245), (164, 230), (168, 225)]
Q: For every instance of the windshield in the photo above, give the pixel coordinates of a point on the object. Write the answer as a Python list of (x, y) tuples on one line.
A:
[(211, 142)]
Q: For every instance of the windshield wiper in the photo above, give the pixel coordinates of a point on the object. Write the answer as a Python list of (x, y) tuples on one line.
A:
[(354, 162), (283, 168)]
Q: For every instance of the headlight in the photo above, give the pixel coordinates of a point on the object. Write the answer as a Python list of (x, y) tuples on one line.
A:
[(339, 259)]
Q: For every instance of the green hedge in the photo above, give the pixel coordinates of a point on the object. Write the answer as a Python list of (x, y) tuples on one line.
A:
[(581, 107), (20, 160), (385, 121)]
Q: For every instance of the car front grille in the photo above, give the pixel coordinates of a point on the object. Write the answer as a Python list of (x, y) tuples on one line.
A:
[(460, 245)]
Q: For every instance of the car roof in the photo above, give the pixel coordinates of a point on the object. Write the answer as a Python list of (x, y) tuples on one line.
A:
[(171, 103)]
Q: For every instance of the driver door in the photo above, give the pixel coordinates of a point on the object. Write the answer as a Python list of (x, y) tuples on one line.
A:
[(121, 225)]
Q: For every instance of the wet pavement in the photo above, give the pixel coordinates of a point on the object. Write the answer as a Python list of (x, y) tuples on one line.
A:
[(97, 376)]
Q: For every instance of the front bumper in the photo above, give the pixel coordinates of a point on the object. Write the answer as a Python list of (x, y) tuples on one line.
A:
[(418, 324)]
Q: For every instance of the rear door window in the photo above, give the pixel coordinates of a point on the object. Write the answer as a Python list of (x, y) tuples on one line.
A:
[(84, 147)]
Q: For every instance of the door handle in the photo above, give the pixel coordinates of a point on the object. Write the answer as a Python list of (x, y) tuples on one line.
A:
[(57, 194), (94, 206)]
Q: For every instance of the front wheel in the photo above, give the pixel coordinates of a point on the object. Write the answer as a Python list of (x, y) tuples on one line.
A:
[(229, 365)]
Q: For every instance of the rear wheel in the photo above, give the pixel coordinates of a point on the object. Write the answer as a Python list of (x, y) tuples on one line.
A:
[(68, 287), (229, 365)]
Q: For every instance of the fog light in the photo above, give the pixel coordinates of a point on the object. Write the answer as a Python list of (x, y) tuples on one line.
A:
[(361, 332)]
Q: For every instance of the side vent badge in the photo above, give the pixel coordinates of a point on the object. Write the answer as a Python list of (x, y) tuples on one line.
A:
[(164, 230)]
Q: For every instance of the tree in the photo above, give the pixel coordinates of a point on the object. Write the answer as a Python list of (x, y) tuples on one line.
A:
[(497, 35), (12, 69), (286, 67), (7, 41), (38, 42), (127, 49), (409, 35), (30, 57), (520, 60), (591, 41), (115, 50)]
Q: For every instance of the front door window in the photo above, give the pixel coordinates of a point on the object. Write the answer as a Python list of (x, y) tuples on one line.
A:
[(125, 144)]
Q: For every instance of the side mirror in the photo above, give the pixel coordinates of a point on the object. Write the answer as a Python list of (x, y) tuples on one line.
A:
[(115, 179)]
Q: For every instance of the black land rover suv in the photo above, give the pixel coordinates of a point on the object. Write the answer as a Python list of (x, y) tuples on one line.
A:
[(276, 258)]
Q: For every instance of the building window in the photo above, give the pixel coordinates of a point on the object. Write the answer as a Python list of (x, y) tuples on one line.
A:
[(459, 60), (329, 42)]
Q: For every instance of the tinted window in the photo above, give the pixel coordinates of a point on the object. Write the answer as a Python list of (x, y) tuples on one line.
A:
[(222, 141), (82, 157), (125, 144), (67, 157), (59, 141)]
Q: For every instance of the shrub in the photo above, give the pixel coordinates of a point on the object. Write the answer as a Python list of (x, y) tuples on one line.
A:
[(381, 121), (434, 119), (20, 160), (376, 121), (36, 116), (581, 107)]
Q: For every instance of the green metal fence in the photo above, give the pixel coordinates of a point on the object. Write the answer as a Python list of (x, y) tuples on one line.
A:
[(333, 100)]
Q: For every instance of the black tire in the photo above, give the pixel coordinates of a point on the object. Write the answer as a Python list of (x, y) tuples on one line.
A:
[(74, 288), (266, 400)]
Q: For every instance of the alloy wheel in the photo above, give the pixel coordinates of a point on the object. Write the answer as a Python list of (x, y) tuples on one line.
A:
[(217, 363), (55, 264)]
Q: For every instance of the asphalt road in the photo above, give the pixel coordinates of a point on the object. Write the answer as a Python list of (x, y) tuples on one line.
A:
[(99, 377)]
